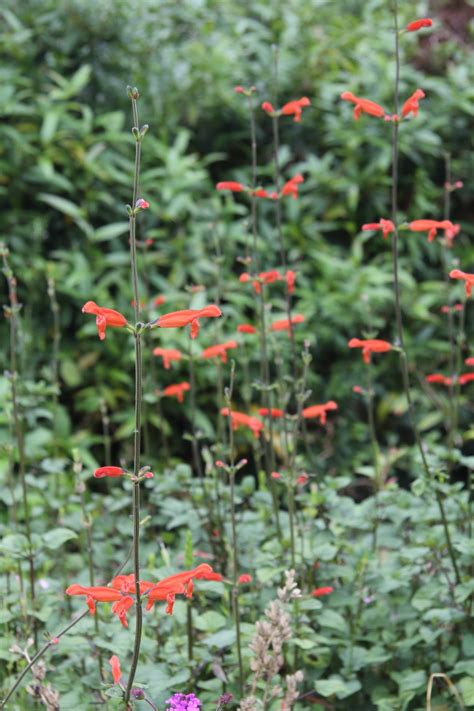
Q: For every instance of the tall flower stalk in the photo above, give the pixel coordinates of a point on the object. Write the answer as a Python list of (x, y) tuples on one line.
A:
[(396, 284)]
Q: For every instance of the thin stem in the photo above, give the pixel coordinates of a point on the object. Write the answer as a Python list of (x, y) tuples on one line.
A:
[(375, 447), (398, 312), (39, 654)]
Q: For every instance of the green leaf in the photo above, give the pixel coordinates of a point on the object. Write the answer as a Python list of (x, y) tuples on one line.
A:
[(57, 537), (110, 231), (335, 686)]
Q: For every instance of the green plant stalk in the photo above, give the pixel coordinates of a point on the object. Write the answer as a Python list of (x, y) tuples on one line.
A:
[(235, 563), (452, 687), (138, 414), (18, 427), (375, 447), (398, 312), (39, 654)]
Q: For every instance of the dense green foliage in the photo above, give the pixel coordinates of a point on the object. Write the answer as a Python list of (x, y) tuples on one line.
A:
[(66, 165)]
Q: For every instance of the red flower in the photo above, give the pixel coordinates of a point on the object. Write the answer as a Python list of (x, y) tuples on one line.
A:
[(432, 226), (168, 355), (121, 607), (275, 475), (291, 186), (240, 419), (94, 594), (158, 300), (245, 578), (320, 592), (284, 324), (262, 278), (319, 411), (219, 351), (142, 204), (371, 345), (363, 105), (302, 480), (447, 309), (357, 389), (239, 89), (411, 105), (177, 390), (290, 278), (272, 412), (386, 226), (104, 317), (188, 317), (470, 361), (115, 664), (418, 24), (108, 471), (292, 108), (438, 378), (246, 328), (468, 278), (180, 583), (466, 378), (232, 186)]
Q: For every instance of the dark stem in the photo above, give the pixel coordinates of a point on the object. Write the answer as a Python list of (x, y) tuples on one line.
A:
[(375, 448)]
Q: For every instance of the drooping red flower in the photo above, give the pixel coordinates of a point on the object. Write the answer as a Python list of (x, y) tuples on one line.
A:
[(219, 351), (268, 107), (418, 24), (177, 390), (320, 592), (168, 355), (369, 346), (470, 361), (290, 278), (246, 328), (286, 324), (273, 412), (385, 226), (432, 227), (104, 317), (411, 105), (319, 411), (263, 278), (291, 186), (292, 108), (142, 204), (94, 594), (108, 471), (244, 578), (176, 319), (439, 379), (466, 378), (116, 672), (231, 185), (468, 278), (180, 583), (121, 607), (240, 419), (363, 105)]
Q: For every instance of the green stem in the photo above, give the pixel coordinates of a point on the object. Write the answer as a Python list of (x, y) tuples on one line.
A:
[(398, 312), (375, 448)]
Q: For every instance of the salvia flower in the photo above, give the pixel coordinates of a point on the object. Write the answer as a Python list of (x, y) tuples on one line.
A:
[(369, 346), (411, 105), (465, 378), (183, 702), (286, 324), (168, 355), (141, 204), (273, 412), (231, 185), (363, 105), (470, 361), (448, 309), (240, 419), (177, 390), (246, 328), (292, 108), (219, 350), (116, 672), (104, 317), (244, 578), (290, 278), (320, 592), (432, 227), (291, 186), (108, 471), (188, 317), (385, 226), (319, 411), (468, 278), (419, 24), (439, 379), (179, 583)]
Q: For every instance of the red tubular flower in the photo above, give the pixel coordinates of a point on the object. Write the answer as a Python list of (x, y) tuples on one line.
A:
[(294, 108), (246, 328), (385, 226), (180, 583), (219, 351), (270, 276), (121, 607), (168, 355), (267, 106), (320, 592), (285, 324), (176, 319), (231, 185), (470, 362), (319, 411), (275, 475), (418, 24), (411, 105), (94, 594), (363, 105), (302, 480), (274, 412), (290, 278), (104, 317), (439, 379), (432, 226), (108, 471), (142, 204), (468, 278), (371, 345), (291, 186), (240, 419), (116, 672), (158, 300), (261, 193), (177, 390), (447, 309), (466, 378), (244, 578)]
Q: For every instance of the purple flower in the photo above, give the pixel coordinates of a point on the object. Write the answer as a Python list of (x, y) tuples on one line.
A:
[(183, 702)]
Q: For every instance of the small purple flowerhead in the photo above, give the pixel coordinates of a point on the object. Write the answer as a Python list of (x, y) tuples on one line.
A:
[(183, 702)]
